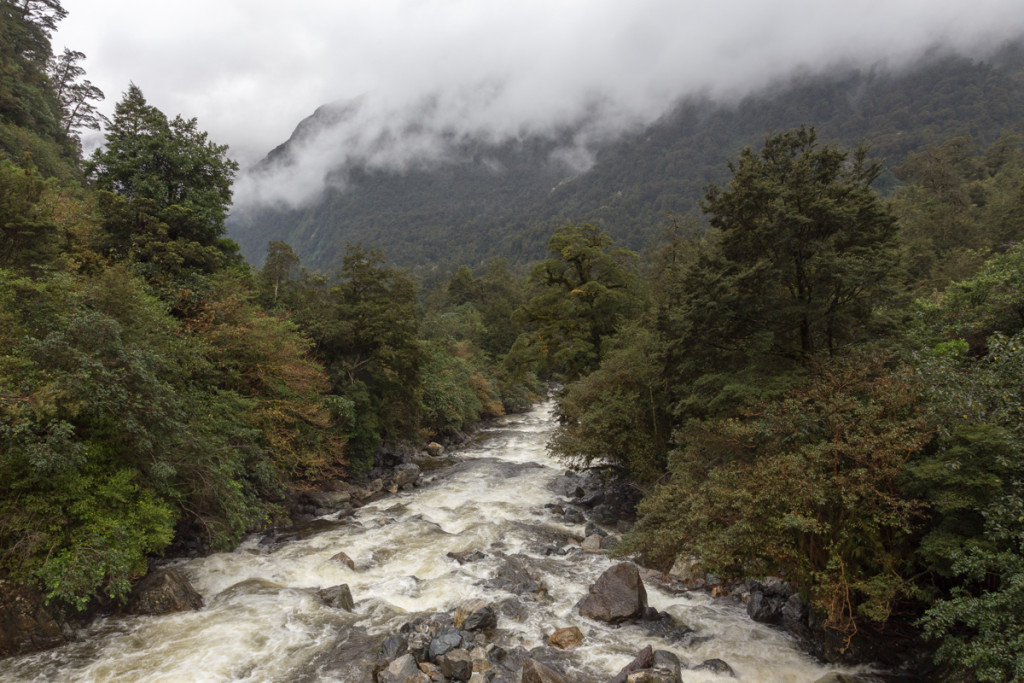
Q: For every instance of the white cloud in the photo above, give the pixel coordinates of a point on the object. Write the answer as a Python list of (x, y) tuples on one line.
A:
[(251, 69)]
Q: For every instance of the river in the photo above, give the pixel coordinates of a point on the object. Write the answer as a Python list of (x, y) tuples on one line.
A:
[(264, 622)]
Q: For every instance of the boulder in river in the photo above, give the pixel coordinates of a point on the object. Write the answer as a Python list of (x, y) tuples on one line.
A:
[(475, 615), (344, 559), (162, 592), (566, 638), (339, 597), (643, 660), (535, 672), (435, 449), (715, 666), (618, 595)]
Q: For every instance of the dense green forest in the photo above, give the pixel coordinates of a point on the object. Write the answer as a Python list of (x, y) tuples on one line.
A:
[(485, 200), (153, 388), (811, 380)]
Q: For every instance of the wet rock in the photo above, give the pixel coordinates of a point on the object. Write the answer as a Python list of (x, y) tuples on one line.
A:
[(668, 661), (433, 672), (393, 647), (573, 516), (663, 625), (444, 642), (162, 592), (767, 600), (25, 623), (475, 615), (643, 660), (339, 597), (403, 670), (435, 449), (715, 666), (480, 660), (514, 577), (344, 559), (591, 544), (592, 529), (535, 672), (406, 474), (566, 638), (618, 595), (457, 664), (555, 508), (467, 556)]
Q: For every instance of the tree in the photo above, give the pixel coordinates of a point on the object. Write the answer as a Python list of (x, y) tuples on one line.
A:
[(805, 485), (167, 170), (583, 292), (75, 95), (802, 251)]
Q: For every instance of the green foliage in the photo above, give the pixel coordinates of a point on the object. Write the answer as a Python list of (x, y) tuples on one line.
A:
[(616, 415), (165, 192), (960, 204), (979, 628), (806, 486), (28, 236), (582, 293), (801, 252)]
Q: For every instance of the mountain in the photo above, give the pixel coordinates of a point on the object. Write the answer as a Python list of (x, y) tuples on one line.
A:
[(472, 198)]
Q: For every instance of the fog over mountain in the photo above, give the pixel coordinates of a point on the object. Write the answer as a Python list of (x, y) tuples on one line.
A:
[(425, 73)]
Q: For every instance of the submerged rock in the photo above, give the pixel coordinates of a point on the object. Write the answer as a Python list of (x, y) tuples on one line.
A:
[(716, 666), (344, 559), (618, 595)]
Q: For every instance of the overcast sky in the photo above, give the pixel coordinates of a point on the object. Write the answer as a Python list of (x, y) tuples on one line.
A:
[(249, 70)]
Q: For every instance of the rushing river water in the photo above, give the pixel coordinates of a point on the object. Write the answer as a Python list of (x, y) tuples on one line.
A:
[(264, 622)]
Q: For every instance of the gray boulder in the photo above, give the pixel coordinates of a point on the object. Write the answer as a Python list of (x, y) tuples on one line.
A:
[(162, 592), (339, 597), (406, 474), (475, 615), (715, 666), (618, 595), (403, 670), (457, 664), (535, 672)]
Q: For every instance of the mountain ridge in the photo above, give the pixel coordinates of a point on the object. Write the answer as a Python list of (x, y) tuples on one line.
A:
[(482, 198)]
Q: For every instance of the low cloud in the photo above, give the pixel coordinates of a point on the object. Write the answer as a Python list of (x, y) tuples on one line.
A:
[(426, 73)]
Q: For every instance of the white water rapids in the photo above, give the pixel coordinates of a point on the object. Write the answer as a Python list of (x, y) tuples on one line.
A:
[(263, 621)]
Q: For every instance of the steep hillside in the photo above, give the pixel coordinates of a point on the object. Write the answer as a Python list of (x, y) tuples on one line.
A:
[(488, 200)]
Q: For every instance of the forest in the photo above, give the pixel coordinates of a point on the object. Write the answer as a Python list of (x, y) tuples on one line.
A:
[(809, 380)]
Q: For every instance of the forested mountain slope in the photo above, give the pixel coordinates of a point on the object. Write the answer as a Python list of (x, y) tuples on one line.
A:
[(488, 200)]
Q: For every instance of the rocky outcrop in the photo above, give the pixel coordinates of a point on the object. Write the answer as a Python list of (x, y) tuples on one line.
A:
[(26, 624), (618, 595), (162, 592)]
